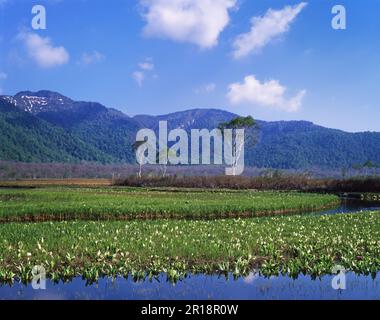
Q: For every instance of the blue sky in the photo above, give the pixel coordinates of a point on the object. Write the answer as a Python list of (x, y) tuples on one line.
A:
[(162, 56)]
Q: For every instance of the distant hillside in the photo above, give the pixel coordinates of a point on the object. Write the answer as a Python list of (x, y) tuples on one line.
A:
[(108, 130), (190, 119), (24, 137), (46, 126), (298, 144)]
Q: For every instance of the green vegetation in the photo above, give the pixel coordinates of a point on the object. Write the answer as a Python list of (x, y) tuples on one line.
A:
[(371, 197), (286, 244), (248, 124), (71, 132), (24, 137), (145, 248), (59, 203), (299, 144)]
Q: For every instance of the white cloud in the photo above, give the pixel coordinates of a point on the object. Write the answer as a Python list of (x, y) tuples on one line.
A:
[(42, 51), (267, 94), (208, 88), (251, 277), (144, 68), (264, 29), (91, 58), (148, 66), (195, 21), (139, 77)]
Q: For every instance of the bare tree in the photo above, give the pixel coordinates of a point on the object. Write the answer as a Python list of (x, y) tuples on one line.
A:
[(139, 156)]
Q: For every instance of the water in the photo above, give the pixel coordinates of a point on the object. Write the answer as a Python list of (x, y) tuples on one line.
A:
[(351, 206), (203, 287), (210, 287)]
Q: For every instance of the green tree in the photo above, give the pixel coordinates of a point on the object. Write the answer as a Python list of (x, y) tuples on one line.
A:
[(250, 136)]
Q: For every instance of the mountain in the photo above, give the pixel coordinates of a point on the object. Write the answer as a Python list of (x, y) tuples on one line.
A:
[(285, 144), (190, 119), (24, 137), (40, 102), (110, 131), (46, 126), (300, 144)]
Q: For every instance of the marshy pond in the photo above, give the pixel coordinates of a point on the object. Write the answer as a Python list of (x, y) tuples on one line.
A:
[(200, 286), (203, 287)]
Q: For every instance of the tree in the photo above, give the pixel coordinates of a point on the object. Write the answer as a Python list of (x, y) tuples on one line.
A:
[(250, 127), (164, 166), (357, 167), (139, 156), (370, 167)]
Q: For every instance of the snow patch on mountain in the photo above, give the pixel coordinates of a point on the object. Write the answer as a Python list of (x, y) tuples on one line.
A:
[(33, 103), (10, 100)]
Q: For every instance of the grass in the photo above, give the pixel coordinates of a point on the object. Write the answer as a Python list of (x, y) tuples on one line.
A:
[(203, 241), (34, 183), (60, 203), (275, 181), (283, 244)]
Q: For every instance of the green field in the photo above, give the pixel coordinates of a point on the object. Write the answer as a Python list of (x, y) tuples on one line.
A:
[(63, 203), (133, 233), (288, 244)]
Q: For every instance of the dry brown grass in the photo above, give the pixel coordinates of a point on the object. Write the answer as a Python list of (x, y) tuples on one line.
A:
[(57, 183), (285, 183)]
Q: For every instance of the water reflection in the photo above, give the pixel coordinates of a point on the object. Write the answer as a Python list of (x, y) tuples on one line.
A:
[(253, 286), (203, 287), (351, 206)]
